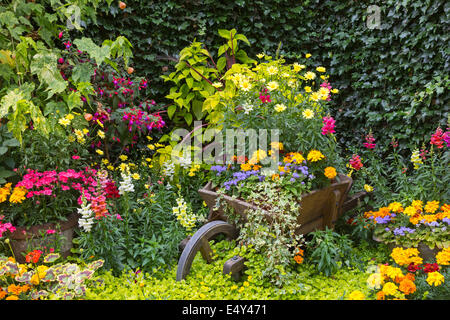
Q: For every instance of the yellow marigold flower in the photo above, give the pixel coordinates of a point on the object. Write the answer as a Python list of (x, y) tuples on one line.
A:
[(18, 195), (431, 206), (368, 188), (418, 204), (13, 297), (272, 85), (443, 257), (123, 157), (310, 75), (390, 289), (298, 157), (69, 116), (320, 69), (356, 295), (334, 90), (100, 152), (410, 211), (85, 131), (151, 147), (246, 167), (275, 177), (315, 155), (308, 55), (5, 191), (330, 172), (257, 156), (308, 114), (111, 168), (308, 89), (404, 257), (395, 207), (393, 272), (435, 278)]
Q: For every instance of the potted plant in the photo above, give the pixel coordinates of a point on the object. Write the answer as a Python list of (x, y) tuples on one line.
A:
[(42, 207), (419, 225)]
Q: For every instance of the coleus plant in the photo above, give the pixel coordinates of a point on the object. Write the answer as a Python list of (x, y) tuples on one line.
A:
[(49, 279)]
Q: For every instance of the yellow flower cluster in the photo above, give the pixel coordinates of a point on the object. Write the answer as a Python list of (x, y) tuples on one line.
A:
[(443, 257), (18, 195), (403, 257), (330, 172), (315, 155), (185, 215)]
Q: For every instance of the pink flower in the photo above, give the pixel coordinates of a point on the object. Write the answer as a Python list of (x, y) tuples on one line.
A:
[(75, 157), (369, 144), (60, 35), (118, 217), (328, 125), (51, 231), (61, 60)]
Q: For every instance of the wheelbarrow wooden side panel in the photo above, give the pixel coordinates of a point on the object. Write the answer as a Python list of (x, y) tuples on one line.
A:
[(317, 209)]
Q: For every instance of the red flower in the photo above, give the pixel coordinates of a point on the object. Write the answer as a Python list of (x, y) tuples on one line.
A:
[(111, 190), (413, 268), (355, 162), (33, 256), (431, 267), (437, 138)]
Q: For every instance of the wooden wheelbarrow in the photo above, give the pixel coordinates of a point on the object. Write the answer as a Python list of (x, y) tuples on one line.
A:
[(319, 209)]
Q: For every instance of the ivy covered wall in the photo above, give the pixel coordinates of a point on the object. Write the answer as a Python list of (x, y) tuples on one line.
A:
[(392, 79)]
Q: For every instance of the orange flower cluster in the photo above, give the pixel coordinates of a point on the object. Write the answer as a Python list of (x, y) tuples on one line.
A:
[(299, 256)]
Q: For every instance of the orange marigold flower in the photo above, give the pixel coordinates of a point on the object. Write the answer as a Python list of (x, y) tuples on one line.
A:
[(381, 295), (431, 206), (407, 286), (2, 294), (330, 172), (13, 297), (14, 289)]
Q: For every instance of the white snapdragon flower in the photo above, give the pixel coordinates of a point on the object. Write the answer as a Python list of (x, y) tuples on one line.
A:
[(126, 185), (87, 217)]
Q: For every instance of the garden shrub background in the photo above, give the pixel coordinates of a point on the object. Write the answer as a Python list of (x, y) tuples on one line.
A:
[(396, 74)]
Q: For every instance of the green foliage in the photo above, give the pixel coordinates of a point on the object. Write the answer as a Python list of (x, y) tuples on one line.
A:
[(8, 144), (197, 72), (329, 251), (145, 235), (207, 282)]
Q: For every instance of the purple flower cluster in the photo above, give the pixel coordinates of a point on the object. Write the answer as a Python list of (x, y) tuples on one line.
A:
[(446, 220), (381, 220), (402, 230), (219, 169), (240, 176)]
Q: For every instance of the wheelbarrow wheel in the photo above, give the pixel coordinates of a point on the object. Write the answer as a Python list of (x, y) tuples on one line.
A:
[(200, 242)]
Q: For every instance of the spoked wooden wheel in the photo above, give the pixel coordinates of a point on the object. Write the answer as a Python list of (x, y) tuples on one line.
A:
[(199, 242)]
